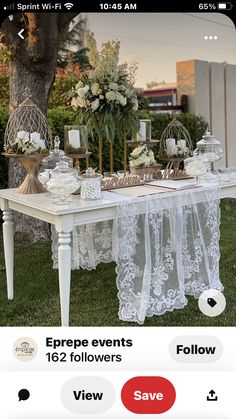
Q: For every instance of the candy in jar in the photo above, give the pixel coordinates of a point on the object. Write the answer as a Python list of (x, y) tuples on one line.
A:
[(90, 185)]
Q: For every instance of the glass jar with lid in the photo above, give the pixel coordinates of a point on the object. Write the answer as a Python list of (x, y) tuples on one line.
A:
[(49, 163), (90, 185), (63, 181), (196, 166), (210, 147)]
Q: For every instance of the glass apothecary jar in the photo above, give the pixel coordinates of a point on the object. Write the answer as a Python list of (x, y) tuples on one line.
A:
[(210, 147), (90, 185), (63, 181), (196, 166), (145, 130), (49, 163)]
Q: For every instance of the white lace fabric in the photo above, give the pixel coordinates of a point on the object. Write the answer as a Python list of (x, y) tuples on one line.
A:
[(165, 247)]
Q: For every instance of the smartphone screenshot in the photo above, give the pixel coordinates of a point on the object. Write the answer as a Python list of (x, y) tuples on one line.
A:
[(118, 211)]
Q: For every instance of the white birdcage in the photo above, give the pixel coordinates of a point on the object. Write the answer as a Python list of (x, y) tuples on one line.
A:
[(27, 123), (175, 146), (28, 139)]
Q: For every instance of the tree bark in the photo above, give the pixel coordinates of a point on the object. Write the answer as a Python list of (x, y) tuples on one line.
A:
[(32, 66)]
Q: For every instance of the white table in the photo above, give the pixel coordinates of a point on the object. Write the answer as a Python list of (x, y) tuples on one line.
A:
[(64, 219)]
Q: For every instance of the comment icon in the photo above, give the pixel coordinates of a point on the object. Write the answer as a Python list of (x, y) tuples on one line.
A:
[(23, 394)]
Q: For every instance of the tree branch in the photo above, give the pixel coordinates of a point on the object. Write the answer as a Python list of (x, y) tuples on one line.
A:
[(64, 19)]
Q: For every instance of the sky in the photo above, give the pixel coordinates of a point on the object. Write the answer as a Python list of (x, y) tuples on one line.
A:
[(156, 41)]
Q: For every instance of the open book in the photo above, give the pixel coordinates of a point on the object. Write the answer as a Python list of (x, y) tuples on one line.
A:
[(177, 185)]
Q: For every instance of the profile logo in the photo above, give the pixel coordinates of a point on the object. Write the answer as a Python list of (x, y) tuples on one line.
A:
[(25, 349)]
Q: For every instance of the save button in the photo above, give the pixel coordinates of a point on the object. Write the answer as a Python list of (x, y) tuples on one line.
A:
[(152, 395)]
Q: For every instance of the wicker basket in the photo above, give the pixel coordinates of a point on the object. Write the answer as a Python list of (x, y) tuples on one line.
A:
[(153, 172)]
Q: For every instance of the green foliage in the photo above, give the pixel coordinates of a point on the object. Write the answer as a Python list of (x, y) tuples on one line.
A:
[(4, 85), (71, 48), (58, 118), (65, 80), (61, 116)]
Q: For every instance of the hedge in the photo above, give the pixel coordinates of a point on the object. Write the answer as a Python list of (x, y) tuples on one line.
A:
[(62, 115)]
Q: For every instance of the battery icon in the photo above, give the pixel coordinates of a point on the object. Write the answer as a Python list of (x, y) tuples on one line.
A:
[(224, 6)]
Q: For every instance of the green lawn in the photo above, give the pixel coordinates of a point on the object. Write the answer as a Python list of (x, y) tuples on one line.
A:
[(93, 294)]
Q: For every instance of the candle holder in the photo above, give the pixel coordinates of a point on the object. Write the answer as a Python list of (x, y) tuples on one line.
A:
[(31, 184), (76, 139), (145, 130)]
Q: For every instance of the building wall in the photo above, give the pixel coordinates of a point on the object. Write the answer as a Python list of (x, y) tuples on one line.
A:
[(211, 88)]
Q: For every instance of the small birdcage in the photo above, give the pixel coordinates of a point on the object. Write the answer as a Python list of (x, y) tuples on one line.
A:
[(27, 139), (175, 146), (27, 123)]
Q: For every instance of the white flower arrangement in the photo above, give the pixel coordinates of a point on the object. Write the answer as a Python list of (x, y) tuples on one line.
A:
[(142, 157), (22, 146), (105, 98)]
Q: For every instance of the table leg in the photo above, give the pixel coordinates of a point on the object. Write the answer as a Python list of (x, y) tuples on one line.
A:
[(8, 240), (64, 264)]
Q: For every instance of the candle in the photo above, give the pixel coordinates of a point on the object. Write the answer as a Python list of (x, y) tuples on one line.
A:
[(141, 136), (171, 148), (74, 138), (36, 140), (181, 144), (23, 135), (41, 144)]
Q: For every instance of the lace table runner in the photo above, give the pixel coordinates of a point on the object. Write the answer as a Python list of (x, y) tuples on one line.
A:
[(165, 247)]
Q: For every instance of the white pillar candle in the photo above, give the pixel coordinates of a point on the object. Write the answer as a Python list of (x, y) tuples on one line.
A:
[(142, 131), (36, 140), (23, 135), (171, 147), (74, 138), (170, 142), (181, 144), (41, 144)]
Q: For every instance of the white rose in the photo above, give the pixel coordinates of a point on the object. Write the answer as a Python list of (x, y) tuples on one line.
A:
[(135, 105), (74, 103), (95, 104), (113, 86), (110, 96), (82, 103), (147, 161), (121, 99), (82, 91), (79, 85), (95, 88), (137, 151), (128, 93)]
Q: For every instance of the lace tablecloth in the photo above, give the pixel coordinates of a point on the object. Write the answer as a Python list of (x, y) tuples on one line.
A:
[(165, 246)]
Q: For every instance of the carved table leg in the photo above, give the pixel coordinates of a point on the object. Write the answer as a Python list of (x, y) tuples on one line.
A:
[(8, 240), (64, 262)]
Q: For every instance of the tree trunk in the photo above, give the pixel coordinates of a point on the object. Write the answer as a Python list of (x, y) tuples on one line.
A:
[(39, 85), (32, 66)]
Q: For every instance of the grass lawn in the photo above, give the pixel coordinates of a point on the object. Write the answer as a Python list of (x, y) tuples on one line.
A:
[(93, 294)]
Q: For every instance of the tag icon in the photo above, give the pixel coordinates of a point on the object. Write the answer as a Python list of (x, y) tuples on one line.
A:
[(212, 303)]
